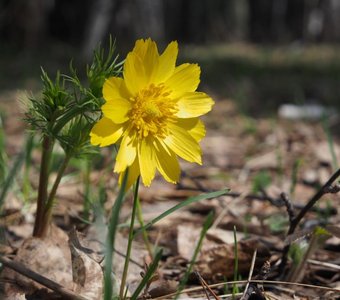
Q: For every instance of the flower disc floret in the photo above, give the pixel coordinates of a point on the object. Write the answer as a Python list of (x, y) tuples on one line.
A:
[(152, 109)]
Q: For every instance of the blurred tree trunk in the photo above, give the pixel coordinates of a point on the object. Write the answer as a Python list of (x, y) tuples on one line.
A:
[(332, 21), (260, 15), (100, 17), (175, 10), (148, 19), (279, 10), (241, 12), (195, 21), (27, 22), (296, 19), (226, 20), (312, 20)]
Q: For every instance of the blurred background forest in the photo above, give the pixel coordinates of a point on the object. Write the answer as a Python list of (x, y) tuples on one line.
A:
[(257, 52)]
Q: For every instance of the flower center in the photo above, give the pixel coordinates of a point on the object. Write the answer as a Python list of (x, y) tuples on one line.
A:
[(152, 109)]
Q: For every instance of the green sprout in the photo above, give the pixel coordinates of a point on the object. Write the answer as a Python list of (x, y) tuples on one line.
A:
[(64, 115)]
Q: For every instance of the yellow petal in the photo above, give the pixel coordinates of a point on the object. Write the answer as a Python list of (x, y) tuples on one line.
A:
[(185, 78), (167, 163), (140, 65), (147, 161), (148, 54), (183, 144), (132, 175), (126, 154), (193, 126), (134, 73), (194, 104), (117, 110), (167, 63), (105, 132), (114, 87)]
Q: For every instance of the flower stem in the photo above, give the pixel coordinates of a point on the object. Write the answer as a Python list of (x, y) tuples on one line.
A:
[(110, 240), (144, 233), (131, 235), (53, 192), (47, 215), (46, 154), (87, 201)]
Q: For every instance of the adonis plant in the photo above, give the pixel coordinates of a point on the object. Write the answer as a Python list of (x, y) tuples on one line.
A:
[(146, 106)]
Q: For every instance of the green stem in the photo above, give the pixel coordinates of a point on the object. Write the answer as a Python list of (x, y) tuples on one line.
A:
[(60, 174), (46, 219), (47, 146), (235, 287), (131, 235), (110, 241), (26, 177), (87, 203), (53, 192), (144, 233), (207, 224), (298, 270)]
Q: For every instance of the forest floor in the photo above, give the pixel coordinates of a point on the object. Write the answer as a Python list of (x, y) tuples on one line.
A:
[(258, 159)]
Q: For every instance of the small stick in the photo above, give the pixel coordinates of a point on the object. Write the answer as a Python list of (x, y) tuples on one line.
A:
[(21, 269), (289, 206), (326, 188), (244, 296), (243, 282), (278, 202), (324, 264), (203, 286), (206, 286)]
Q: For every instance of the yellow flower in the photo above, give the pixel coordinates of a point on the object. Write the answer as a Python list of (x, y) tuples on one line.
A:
[(153, 111)]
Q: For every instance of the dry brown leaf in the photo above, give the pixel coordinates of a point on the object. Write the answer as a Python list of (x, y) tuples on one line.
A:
[(162, 287), (48, 257), (87, 274), (323, 153), (187, 237), (22, 231), (264, 161), (221, 236), (218, 261)]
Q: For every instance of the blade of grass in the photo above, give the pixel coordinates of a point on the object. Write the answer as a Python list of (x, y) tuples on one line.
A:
[(294, 177), (235, 287), (111, 239), (182, 204), (11, 176), (87, 189), (151, 270), (144, 232), (249, 276), (3, 171), (208, 222), (26, 178), (3, 157), (130, 239)]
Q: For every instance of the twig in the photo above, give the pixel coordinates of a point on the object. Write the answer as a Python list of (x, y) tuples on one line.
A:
[(326, 188), (324, 264), (242, 282), (244, 296), (206, 286), (278, 202), (203, 285), (289, 206), (21, 269)]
